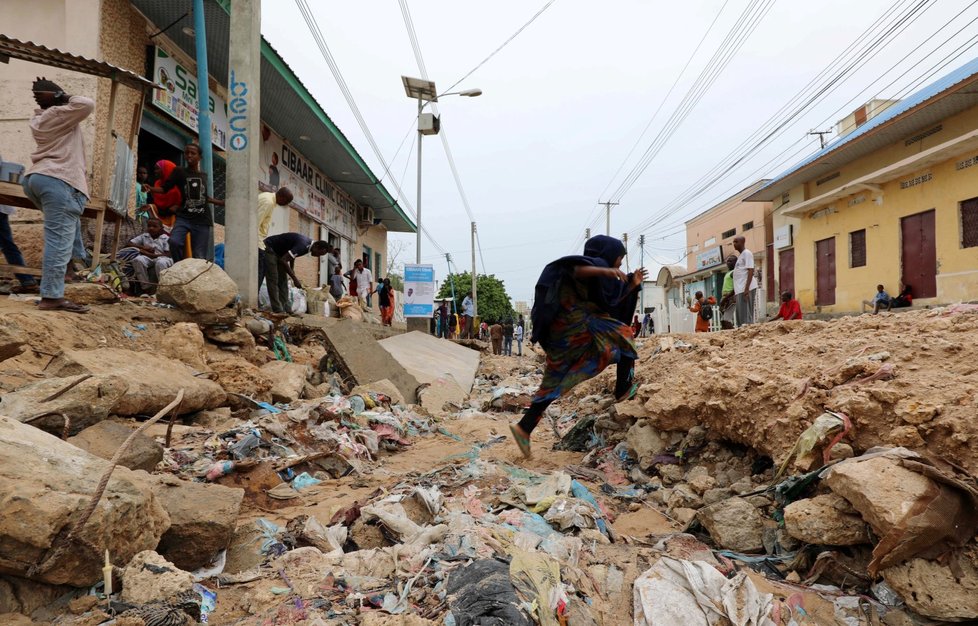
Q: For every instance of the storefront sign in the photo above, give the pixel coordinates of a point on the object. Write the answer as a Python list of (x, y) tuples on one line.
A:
[(783, 237), (709, 258), (419, 290), (179, 100), (284, 166)]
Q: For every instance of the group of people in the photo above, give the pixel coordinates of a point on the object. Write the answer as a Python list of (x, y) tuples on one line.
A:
[(882, 300), (449, 324), (503, 334), (645, 326)]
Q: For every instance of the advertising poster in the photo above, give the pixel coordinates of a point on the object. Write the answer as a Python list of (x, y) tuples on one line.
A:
[(419, 290), (179, 100)]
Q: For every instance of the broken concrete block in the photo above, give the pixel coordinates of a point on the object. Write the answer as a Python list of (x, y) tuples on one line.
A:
[(826, 520), (288, 379), (359, 356), (196, 285), (734, 524), (441, 396), (147, 394), (185, 343), (105, 438), (202, 517), (644, 442), (230, 336), (942, 591), (47, 482), (149, 577), (85, 404), (19, 595), (427, 358), (382, 386), (879, 489), (12, 340)]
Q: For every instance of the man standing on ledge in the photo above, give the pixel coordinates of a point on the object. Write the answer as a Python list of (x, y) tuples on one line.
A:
[(56, 184), (745, 286)]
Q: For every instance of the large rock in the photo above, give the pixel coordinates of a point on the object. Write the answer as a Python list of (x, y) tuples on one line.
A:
[(947, 591), (46, 484), (879, 489), (196, 285), (185, 343), (90, 293), (237, 375), (827, 520), (85, 404), (12, 340), (644, 442), (288, 379), (734, 524), (441, 396), (153, 380), (149, 577), (202, 518), (105, 438)]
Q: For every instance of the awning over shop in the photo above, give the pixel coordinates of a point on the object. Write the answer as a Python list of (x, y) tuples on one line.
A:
[(287, 107)]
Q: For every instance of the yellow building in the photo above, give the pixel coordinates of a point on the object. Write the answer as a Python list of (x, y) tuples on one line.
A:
[(894, 200)]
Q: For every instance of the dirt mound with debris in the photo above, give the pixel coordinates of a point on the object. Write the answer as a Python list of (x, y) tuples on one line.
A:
[(908, 379)]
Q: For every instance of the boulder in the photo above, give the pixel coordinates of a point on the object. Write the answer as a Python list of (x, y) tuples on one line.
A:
[(105, 438), (47, 482), (237, 375), (19, 595), (288, 379), (202, 517), (149, 577), (682, 497), (196, 285), (644, 442), (879, 489), (185, 343), (441, 395), (90, 293), (12, 340), (230, 336), (942, 591), (826, 520), (153, 380), (382, 386), (85, 404), (734, 524)]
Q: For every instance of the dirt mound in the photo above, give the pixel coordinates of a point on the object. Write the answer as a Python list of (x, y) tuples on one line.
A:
[(908, 379)]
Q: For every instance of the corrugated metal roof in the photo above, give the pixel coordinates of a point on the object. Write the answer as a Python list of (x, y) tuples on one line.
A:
[(11, 48), (942, 98), (287, 107)]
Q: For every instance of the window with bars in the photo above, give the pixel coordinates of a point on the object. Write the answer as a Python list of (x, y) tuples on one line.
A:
[(969, 223), (857, 248), (729, 233), (747, 226)]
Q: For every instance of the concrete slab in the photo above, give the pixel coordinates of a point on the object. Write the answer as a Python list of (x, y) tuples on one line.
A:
[(362, 358), (428, 358)]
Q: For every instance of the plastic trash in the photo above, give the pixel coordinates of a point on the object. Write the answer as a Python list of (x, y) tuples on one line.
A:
[(357, 405), (581, 492), (221, 468), (304, 480), (482, 593), (243, 448), (208, 601)]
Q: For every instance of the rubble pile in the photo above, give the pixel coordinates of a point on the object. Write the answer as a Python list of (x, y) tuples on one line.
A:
[(320, 474)]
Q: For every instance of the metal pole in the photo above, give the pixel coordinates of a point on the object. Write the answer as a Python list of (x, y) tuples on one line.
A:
[(607, 218), (204, 111), (641, 248), (420, 137), (475, 286)]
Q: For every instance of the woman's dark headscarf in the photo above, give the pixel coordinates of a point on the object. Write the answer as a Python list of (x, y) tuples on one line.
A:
[(603, 247)]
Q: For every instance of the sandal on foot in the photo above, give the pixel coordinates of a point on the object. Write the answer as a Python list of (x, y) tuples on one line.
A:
[(64, 305), (523, 443), (628, 396)]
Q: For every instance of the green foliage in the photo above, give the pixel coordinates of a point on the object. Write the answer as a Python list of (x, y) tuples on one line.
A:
[(493, 301), (397, 282)]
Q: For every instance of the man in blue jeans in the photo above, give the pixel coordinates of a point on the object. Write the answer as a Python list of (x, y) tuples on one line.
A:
[(194, 219), (56, 183), (10, 250)]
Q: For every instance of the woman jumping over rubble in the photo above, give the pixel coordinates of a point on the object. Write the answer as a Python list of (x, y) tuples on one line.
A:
[(580, 317)]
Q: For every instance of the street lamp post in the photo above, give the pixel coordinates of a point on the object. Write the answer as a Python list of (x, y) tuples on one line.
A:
[(424, 92)]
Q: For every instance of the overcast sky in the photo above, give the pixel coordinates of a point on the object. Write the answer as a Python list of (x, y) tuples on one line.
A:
[(567, 99)]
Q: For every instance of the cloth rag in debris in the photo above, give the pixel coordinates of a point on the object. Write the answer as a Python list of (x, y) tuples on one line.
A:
[(694, 593), (481, 594)]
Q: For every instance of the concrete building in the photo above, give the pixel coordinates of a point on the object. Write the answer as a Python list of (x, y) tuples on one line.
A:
[(709, 240), (337, 197), (894, 200)]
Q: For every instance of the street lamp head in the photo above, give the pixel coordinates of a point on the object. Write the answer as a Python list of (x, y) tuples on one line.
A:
[(471, 93)]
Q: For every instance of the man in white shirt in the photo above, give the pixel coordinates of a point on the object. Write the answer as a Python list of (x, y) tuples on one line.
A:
[(468, 314), (267, 201), (745, 283), (364, 279), (154, 252)]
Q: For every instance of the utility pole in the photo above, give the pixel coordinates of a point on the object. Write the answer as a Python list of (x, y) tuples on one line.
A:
[(244, 106), (641, 250), (204, 112), (624, 240), (418, 204), (587, 234), (607, 216), (451, 277), (821, 136), (475, 288)]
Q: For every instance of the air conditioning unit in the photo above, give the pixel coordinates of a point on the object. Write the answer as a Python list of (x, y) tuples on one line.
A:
[(366, 215), (429, 124)]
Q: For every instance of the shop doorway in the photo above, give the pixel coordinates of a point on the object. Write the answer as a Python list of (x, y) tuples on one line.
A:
[(920, 254), (825, 272), (786, 270)]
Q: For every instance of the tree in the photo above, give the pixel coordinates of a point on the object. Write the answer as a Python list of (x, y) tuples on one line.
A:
[(494, 303), (397, 281)]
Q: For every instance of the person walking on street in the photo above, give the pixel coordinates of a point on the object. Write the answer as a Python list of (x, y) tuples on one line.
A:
[(361, 280), (267, 201), (281, 251), (585, 329), (745, 283), (468, 314), (518, 336), (385, 300), (496, 336), (56, 183), (703, 311), (508, 337)]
